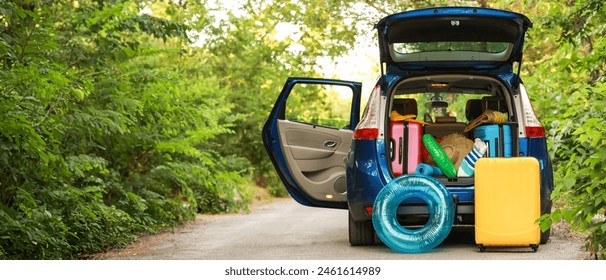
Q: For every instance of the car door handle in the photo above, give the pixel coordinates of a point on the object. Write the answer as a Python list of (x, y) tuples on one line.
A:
[(330, 144)]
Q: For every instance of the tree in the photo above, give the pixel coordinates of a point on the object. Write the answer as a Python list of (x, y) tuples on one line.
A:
[(252, 60), (101, 139), (569, 69), (123, 117)]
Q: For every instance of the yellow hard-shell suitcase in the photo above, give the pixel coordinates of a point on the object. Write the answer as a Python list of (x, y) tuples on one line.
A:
[(507, 202)]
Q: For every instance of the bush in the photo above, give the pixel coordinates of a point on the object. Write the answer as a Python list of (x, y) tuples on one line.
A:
[(570, 74), (101, 139)]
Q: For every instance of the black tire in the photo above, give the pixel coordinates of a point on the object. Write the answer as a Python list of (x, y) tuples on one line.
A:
[(545, 236), (546, 209), (361, 233)]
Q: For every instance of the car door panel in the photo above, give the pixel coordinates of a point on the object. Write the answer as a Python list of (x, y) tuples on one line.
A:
[(309, 157), (303, 153), (307, 142), (316, 166)]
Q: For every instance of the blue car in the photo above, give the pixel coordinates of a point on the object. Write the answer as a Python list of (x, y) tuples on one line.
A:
[(441, 68)]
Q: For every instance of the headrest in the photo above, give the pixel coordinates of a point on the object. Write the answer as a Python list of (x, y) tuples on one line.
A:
[(492, 102), (473, 109), (405, 106)]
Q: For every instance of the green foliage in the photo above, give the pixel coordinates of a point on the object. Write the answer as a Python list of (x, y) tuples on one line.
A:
[(117, 121), (567, 62), (256, 49), (102, 139)]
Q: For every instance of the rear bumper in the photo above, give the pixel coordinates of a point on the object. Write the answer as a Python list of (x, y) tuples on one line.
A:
[(361, 210), (366, 177)]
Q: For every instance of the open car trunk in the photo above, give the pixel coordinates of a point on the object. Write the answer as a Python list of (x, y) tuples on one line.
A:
[(446, 104), (435, 38)]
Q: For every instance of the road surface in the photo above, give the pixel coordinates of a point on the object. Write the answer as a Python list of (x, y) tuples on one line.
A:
[(285, 230)]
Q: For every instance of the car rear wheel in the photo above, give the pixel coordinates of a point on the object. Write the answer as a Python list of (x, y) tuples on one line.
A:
[(545, 236), (546, 209), (361, 233)]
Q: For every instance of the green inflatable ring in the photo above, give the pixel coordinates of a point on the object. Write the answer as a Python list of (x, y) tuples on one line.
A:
[(439, 156)]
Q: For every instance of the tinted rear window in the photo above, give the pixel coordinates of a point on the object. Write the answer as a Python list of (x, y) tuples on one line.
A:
[(488, 47)]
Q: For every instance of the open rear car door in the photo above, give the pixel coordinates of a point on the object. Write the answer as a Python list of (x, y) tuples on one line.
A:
[(308, 144)]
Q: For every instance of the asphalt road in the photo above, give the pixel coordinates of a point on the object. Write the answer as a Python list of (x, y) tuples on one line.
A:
[(285, 230)]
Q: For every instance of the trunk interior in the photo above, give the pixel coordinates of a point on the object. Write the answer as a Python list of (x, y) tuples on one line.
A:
[(445, 106)]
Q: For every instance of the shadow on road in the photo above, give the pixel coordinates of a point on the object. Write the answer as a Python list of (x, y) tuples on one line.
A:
[(461, 235)]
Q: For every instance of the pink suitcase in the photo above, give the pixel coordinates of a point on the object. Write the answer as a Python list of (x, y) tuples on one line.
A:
[(405, 147)]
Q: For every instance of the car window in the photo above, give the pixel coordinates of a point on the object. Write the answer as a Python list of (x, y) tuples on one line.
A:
[(416, 47), (325, 105), (457, 103)]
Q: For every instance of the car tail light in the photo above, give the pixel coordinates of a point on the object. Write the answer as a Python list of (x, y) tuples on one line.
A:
[(368, 210), (366, 133), (532, 125), (368, 128), (535, 131)]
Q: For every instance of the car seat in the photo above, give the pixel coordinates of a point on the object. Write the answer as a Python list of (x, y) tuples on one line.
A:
[(473, 109), (405, 106), (493, 103)]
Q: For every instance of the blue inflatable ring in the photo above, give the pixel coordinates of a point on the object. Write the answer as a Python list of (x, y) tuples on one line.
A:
[(441, 214)]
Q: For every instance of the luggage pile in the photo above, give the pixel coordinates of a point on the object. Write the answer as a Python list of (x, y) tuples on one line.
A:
[(507, 187)]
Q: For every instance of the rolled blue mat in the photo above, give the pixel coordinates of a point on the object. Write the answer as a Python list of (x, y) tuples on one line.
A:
[(428, 170)]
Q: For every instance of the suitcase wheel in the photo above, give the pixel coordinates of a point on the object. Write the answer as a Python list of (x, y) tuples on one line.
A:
[(482, 248), (534, 247)]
